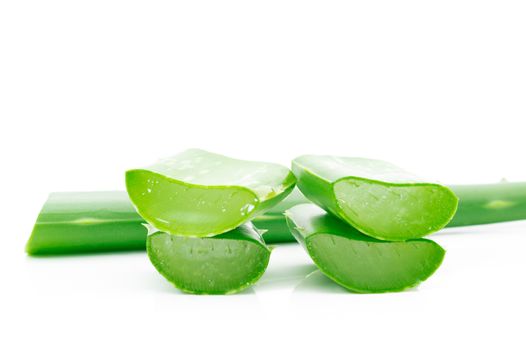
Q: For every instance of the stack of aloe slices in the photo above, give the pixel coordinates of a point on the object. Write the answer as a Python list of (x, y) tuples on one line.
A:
[(382, 211), (200, 205)]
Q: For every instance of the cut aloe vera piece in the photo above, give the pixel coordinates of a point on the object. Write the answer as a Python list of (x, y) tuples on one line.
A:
[(202, 194), (358, 262), (223, 264), (378, 198), (86, 222)]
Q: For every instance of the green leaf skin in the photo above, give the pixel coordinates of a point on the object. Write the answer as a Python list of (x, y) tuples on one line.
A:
[(376, 197), (490, 203), (65, 224), (273, 223), (202, 194), (358, 262), (96, 222), (86, 222), (223, 264)]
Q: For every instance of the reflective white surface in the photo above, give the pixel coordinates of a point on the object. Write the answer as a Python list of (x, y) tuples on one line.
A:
[(476, 297)]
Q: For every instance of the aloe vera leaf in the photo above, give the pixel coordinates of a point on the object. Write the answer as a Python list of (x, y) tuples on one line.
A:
[(489, 203), (66, 226), (86, 222), (92, 222), (202, 194), (223, 264), (273, 223), (376, 197), (358, 262)]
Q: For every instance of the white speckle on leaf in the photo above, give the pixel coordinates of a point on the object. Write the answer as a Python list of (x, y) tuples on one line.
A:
[(247, 208)]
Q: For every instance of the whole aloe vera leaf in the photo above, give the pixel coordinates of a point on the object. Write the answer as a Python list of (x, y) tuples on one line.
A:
[(223, 264), (202, 194), (77, 222), (358, 262), (376, 197), (86, 222)]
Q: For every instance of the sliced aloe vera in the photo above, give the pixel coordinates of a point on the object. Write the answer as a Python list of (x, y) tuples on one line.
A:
[(202, 194), (358, 262), (378, 198), (223, 264)]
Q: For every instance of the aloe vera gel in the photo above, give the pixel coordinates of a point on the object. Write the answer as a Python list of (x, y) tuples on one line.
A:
[(223, 264), (376, 197), (201, 204), (202, 194), (358, 262)]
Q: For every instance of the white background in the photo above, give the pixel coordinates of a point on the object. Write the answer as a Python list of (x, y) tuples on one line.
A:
[(89, 89)]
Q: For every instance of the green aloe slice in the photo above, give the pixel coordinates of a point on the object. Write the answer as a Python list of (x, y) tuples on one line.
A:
[(378, 198), (358, 262), (202, 194), (223, 264)]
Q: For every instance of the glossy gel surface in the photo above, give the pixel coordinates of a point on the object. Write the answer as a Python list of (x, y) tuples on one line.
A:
[(223, 264), (376, 197), (202, 194), (358, 262)]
